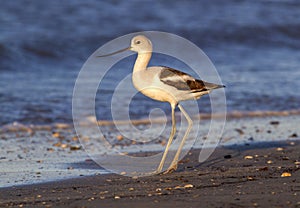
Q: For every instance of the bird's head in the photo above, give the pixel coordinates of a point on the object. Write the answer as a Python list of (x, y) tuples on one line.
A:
[(139, 44)]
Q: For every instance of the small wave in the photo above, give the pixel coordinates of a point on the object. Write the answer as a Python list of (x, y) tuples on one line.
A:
[(40, 51), (278, 35)]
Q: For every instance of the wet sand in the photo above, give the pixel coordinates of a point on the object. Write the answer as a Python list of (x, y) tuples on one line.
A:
[(249, 175)]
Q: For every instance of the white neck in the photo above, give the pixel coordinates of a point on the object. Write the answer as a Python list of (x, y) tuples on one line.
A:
[(142, 61)]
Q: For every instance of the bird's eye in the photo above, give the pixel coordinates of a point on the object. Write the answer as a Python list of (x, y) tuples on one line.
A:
[(137, 42)]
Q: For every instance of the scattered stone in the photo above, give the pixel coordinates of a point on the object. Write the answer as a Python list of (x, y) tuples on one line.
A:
[(240, 131), (91, 199), (64, 146), (55, 135), (50, 149), (58, 144), (286, 174), (227, 156), (269, 161), (285, 158), (75, 138), (188, 186), (274, 122), (117, 197), (248, 157), (251, 139), (120, 137), (263, 169), (131, 189), (279, 149), (75, 147), (163, 142)]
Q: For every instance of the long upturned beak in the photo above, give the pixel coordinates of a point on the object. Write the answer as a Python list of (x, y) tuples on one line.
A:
[(119, 51)]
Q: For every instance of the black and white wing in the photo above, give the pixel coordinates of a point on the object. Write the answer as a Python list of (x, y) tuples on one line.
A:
[(185, 82)]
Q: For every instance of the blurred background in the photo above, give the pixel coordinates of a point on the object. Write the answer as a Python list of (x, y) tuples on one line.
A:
[(43, 45)]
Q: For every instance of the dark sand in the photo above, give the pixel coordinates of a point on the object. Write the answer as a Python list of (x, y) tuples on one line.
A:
[(227, 179)]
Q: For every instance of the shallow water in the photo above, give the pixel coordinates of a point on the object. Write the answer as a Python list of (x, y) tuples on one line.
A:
[(43, 45)]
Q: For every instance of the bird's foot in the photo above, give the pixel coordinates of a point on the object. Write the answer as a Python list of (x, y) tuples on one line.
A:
[(171, 169)]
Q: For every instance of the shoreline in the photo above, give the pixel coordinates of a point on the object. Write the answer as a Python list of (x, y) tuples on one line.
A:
[(57, 153), (16, 126), (236, 176)]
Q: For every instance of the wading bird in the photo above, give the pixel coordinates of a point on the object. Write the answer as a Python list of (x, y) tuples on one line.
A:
[(165, 84)]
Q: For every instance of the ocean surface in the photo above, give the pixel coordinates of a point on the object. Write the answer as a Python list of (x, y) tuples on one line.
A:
[(254, 45)]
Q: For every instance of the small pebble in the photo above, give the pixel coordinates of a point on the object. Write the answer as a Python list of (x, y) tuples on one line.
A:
[(188, 186), (279, 149), (120, 137), (227, 156), (75, 147), (274, 122), (55, 134), (248, 157), (50, 149), (163, 143), (117, 197), (240, 131), (286, 174), (64, 146), (75, 138), (251, 139), (269, 161)]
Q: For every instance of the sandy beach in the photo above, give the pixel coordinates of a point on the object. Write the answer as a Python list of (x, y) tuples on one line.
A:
[(262, 175)]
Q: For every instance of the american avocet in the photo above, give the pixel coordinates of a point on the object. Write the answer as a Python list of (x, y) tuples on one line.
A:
[(167, 85)]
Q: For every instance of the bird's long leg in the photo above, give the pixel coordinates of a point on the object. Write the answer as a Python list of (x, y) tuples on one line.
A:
[(173, 165), (161, 164)]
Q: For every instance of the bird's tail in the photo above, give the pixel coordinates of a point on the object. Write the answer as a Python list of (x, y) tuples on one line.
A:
[(211, 86)]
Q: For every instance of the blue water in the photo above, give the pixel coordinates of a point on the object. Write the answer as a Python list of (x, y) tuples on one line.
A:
[(43, 45)]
